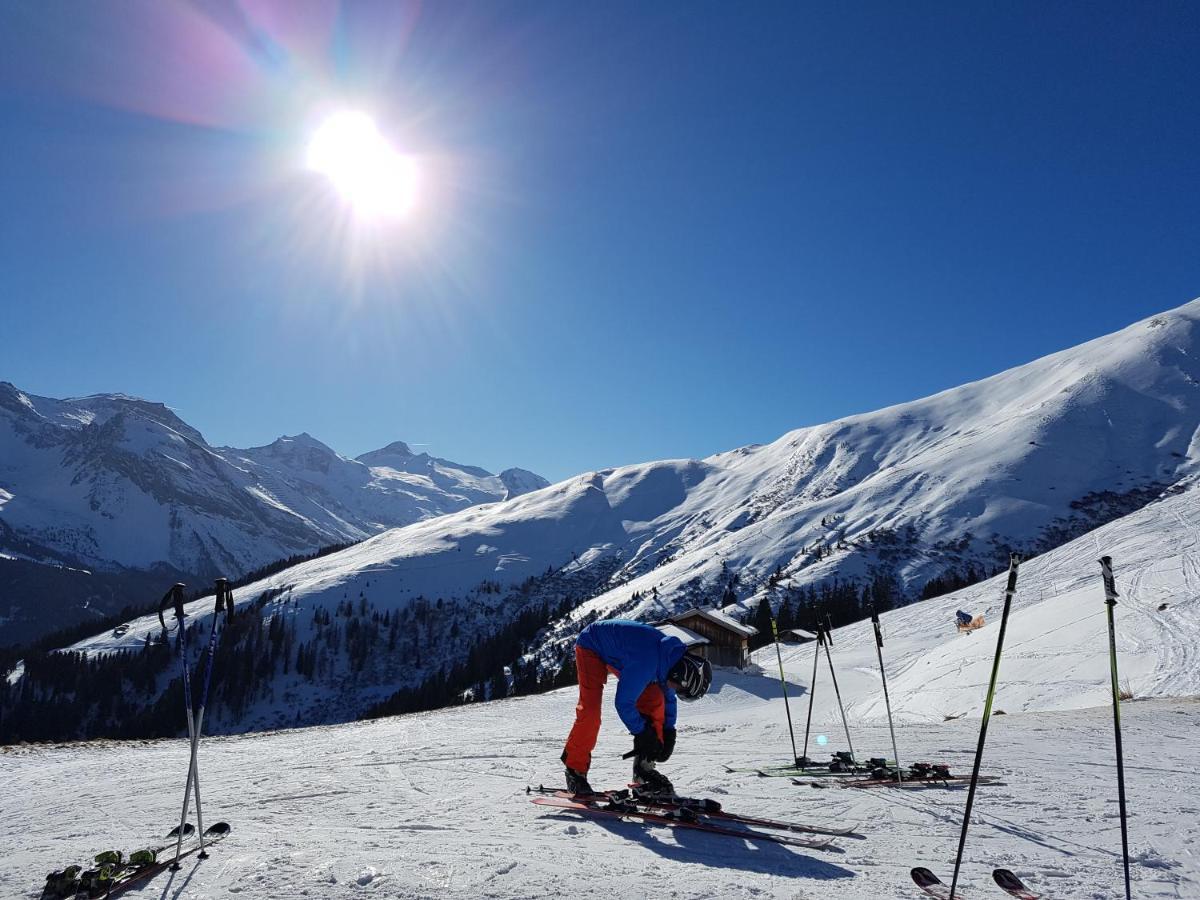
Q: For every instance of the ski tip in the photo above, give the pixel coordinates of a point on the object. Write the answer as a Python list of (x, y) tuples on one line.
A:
[(187, 829), (924, 877), (1007, 879), (219, 828)]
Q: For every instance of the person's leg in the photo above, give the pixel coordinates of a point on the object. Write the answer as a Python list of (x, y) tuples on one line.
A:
[(592, 676)]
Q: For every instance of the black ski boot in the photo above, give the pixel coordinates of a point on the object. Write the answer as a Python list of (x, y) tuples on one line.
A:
[(577, 783), (650, 779)]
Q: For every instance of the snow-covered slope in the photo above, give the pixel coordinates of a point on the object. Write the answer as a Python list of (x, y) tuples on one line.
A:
[(115, 483), (1024, 460), (1056, 641), (1056, 647)]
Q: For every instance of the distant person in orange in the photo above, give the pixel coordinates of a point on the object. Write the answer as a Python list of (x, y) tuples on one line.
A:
[(653, 670)]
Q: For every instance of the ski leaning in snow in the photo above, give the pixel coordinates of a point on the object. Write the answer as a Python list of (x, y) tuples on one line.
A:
[(1011, 883), (678, 818), (700, 806)]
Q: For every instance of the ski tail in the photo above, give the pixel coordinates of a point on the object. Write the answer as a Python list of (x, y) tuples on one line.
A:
[(931, 884), (1007, 880)]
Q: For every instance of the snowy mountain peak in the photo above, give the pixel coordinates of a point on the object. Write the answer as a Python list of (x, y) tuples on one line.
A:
[(521, 481), (395, 448), (115, 485)]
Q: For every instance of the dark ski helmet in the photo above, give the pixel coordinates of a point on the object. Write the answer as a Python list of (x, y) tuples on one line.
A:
[(693, 674)]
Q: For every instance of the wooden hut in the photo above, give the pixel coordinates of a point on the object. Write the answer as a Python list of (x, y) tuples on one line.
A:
[(721, 639)]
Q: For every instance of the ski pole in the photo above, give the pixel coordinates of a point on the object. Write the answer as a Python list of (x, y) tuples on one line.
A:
[(1110, 600), (812, 688), (1013, 562), (783, 686), (837, 693), (886, 701), (223, 604), (174, 597)]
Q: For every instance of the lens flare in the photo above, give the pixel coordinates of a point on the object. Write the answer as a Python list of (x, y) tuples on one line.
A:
[(370, 175)]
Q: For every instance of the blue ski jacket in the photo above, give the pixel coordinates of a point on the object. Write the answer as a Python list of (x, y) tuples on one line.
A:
[(641, 655)]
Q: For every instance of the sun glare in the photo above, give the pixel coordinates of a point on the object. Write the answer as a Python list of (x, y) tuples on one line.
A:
[(370, 175)]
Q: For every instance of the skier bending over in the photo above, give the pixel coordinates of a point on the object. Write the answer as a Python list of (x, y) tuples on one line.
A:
[(652, 668)]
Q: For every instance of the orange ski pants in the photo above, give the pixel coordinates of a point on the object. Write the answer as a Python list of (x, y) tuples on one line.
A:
[(593, 675)]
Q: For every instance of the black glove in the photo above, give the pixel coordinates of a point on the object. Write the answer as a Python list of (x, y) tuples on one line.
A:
[(668, 744), (646, 744)]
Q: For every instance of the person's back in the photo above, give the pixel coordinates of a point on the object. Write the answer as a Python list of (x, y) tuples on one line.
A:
[(651, 666)]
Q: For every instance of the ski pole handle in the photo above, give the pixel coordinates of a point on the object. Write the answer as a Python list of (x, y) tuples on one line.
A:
[(173, 597), (1110, 584)]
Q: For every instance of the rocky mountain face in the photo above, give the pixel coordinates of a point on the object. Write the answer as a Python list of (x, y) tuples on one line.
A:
[(98, 493)]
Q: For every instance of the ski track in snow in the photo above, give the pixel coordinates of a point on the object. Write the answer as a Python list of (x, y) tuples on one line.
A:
[(433, 805)]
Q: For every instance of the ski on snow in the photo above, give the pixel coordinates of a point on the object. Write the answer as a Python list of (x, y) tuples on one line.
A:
[(710, 809), (677, 818), (1008, 881), (951, 781), (212, 835), (77, 880)]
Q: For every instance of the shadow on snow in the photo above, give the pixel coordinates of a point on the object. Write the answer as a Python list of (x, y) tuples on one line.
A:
[(691, 847)]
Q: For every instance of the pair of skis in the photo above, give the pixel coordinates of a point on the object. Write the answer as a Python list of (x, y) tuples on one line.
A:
[(1005, 879), (909, 784), (842, 765), (685, 812), (115, 874), (209, 837)]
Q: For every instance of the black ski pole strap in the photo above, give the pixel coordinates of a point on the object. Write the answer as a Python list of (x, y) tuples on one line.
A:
[(173, 597), (878, 630), (1110, 584), (224, 598)]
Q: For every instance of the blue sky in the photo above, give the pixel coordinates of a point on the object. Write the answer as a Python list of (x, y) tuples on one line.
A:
[(643, 230)]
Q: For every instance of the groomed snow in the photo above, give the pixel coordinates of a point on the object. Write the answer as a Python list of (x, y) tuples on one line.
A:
[(433, 805)]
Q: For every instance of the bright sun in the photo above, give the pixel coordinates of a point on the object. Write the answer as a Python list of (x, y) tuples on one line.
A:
[(370, 175)]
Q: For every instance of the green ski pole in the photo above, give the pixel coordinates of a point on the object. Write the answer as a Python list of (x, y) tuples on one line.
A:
[(783, 685), (886, 700)]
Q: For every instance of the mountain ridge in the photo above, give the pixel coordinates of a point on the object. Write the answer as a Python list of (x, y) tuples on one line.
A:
[(1026, 460), (118, 484)]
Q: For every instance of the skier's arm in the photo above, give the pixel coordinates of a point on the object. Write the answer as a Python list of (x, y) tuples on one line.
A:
[(634, 679), (671, 707)]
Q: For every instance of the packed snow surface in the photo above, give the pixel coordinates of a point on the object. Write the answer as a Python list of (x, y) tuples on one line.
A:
[(433, 806)]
